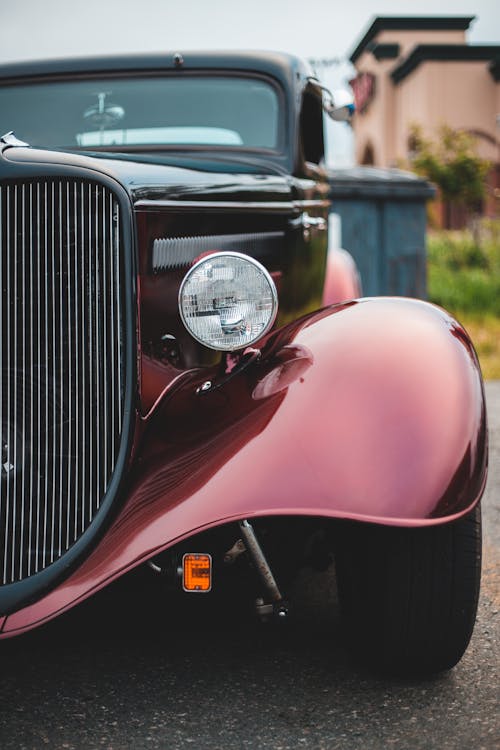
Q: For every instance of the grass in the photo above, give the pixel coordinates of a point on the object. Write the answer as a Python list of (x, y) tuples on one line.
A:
[(464, 277)]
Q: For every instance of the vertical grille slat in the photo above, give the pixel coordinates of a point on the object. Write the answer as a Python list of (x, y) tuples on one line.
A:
[(96, 342), (39, 385), (13, 418), (74, 314), (51, 372), (61, 364), (32, 404), (83, 334), (112, 343), (117, 287)]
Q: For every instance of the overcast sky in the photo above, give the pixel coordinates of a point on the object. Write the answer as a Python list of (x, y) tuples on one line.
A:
[(310, 28), (318, 29)]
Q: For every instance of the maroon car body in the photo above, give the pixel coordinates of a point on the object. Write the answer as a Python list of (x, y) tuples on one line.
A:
[(355, 414)]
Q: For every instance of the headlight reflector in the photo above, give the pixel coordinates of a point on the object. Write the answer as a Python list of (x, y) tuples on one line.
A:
[(227, 301)]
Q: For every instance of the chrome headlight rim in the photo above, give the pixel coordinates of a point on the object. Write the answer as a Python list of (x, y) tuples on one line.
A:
[(256, 264)]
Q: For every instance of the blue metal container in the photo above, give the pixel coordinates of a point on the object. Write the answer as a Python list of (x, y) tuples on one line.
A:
[(383, 224)]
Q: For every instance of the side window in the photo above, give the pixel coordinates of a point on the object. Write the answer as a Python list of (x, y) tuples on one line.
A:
[(311, 126)]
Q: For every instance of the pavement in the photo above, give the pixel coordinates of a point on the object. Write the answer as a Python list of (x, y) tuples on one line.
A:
[(127, 671)]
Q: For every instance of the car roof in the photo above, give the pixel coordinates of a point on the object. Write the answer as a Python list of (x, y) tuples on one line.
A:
[(289, 70)]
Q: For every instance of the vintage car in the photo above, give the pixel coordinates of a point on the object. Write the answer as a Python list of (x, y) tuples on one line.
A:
[(188, 380)]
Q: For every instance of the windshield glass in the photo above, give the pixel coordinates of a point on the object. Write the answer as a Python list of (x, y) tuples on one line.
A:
[(152, 112)]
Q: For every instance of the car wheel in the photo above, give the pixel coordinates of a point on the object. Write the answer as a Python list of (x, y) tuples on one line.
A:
[(409, 596)]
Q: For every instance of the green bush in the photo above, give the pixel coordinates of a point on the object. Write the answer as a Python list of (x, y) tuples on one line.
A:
[(464, 276), (452, 164)]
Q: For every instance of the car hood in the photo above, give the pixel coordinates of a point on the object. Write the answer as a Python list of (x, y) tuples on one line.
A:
[(173, 177)]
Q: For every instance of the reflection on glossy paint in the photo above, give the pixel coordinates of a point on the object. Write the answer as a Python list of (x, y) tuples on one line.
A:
[(289, 364)]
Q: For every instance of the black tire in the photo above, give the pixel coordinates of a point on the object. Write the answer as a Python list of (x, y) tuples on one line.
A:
[(409, 596)]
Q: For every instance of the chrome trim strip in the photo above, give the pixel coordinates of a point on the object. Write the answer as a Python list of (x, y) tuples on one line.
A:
[(180, 205)]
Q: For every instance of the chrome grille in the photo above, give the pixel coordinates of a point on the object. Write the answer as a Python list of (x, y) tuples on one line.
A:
[(61, 365)]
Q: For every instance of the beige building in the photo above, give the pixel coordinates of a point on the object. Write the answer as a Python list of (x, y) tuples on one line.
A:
[(420, 70)]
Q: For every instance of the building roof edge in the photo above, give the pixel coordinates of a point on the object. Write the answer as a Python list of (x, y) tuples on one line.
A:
[(410, 23), (444, 52)]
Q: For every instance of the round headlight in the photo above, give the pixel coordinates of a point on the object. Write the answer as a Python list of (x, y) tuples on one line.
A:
[(227, 301)]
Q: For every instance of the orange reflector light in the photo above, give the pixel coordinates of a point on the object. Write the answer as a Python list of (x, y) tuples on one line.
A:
[(196, 572)]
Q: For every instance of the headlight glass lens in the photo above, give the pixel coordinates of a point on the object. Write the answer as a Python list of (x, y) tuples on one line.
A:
[(227, 301)]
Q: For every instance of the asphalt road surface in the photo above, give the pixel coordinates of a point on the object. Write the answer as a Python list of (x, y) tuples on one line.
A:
[(124, 671)]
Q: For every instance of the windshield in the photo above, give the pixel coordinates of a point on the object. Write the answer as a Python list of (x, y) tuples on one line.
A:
[(144, 112)]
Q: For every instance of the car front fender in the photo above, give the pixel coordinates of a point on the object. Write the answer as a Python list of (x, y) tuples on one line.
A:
[(378, 416), (372, 411)]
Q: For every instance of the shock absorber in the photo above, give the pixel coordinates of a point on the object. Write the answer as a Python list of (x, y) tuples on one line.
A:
[(275, 604)]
